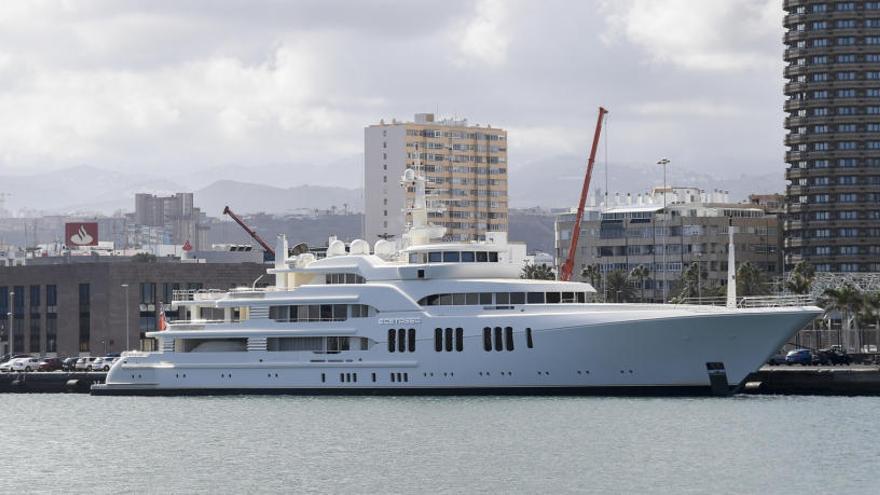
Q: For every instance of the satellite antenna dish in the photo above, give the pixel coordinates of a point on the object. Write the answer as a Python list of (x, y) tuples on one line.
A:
[(299, 249)]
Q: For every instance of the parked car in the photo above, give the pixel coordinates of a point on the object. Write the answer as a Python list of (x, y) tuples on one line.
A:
[(103, 363), (799, 356), (49, 364), (69, 364), (84, 364), (776, 359), (25, 364), (831, 356), (7, 365)]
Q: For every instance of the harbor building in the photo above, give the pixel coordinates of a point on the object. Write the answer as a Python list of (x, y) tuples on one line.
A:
[(832, 90), (693, 227), (466, 168), (69, 306)]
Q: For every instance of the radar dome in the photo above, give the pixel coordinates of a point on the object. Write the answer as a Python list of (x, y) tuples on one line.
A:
[(384, 249), (359, 246), (336, 248), (409, 174)]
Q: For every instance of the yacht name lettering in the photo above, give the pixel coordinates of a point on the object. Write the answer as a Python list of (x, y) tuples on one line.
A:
[(399, 321)]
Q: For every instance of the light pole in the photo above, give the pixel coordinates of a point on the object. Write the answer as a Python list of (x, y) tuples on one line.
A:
[(127, 333), (9, 316), (699, 277), (664, 162)]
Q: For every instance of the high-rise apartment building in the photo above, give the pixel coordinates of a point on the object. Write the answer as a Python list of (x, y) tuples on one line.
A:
[(466, 168), (832, 109), (170, 219)]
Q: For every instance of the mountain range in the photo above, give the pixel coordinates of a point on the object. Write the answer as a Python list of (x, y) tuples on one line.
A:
[(551, 183)]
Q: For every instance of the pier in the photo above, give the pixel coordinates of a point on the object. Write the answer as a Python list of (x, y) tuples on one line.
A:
[(814, 380), (52, 382)]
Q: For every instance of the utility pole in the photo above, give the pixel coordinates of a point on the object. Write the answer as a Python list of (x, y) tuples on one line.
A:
[(664, 162), (127, 323), (10, 316)]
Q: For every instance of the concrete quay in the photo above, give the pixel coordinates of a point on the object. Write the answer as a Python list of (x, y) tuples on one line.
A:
[(814, 380), (51, 382)]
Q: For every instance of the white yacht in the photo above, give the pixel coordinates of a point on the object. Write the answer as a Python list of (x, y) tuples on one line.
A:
[(442, 318)]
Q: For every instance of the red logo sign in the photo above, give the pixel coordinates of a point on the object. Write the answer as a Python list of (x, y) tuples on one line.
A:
[(81, 234), (187, 246)]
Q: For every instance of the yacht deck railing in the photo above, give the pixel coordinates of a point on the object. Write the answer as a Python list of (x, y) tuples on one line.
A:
[(774, 301)]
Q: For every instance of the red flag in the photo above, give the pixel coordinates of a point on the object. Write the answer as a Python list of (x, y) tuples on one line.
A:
[(162, 324)]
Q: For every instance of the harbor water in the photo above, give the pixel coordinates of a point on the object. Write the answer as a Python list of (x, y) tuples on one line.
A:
[(747, 444)]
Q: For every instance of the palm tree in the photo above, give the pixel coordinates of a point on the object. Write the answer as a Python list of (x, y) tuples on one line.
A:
[(845, 299), (619, 288), (592, 274), (537, 272), (750, 280), (640, 273), (802, 276)]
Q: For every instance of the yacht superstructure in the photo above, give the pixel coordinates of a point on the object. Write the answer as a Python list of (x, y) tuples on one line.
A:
[(441, 318)]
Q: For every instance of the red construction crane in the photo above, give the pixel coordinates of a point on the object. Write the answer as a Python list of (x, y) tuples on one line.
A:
[(568, 266), (253, 233)]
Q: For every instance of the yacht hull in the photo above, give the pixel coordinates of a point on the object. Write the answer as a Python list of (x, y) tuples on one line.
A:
[(648, 351)]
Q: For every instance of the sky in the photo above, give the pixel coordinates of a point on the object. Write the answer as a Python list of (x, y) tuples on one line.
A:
[(173, 86)]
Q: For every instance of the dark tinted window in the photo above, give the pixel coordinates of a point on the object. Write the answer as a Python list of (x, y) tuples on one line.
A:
[(445, 299), (581, 297), (498, 343), (485, 298), (411, 341), (502, 298), (568, 297), (529, 342), (487, 338), (493, 257), (459, 299), (508, 338), (467, 257), (435, 257), (438, 339), (401, 340), (451, 256), (535, 298), (482, 256), (517, 298), (448, 340), (433, 300), (391, 335), (552, 297), (473, 298), (459, 339)]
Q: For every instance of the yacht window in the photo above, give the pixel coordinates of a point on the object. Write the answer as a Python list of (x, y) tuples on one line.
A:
[(340, 312), (485, 298), (498, 343), (451, 256), (391, 339), (438, 339), (467, 256), (433, 300), (365, 344), (411, 340), (448, 340), (568, 297), (487, 338), (459, 339), (435, 257), (529, 342), (535, 298), (493, 257), (552, 298), (508, 337), (401, 340), (336, 344), (581, 297), (459, 299), (445, 299), (502, 298), (517, 298), (314, 312), (326, 312), (315, 344), (413, 258), (472, 299), (482, 256)]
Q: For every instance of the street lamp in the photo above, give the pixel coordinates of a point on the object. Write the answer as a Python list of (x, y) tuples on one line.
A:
[(663, 162), (9, 315), (127, 322), (699, 277)]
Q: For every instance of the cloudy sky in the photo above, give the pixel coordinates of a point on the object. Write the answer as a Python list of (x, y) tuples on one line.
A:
[(180, 85)]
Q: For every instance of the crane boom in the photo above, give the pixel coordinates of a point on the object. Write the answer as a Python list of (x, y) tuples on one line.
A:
[(253, 233), (568, 266)]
